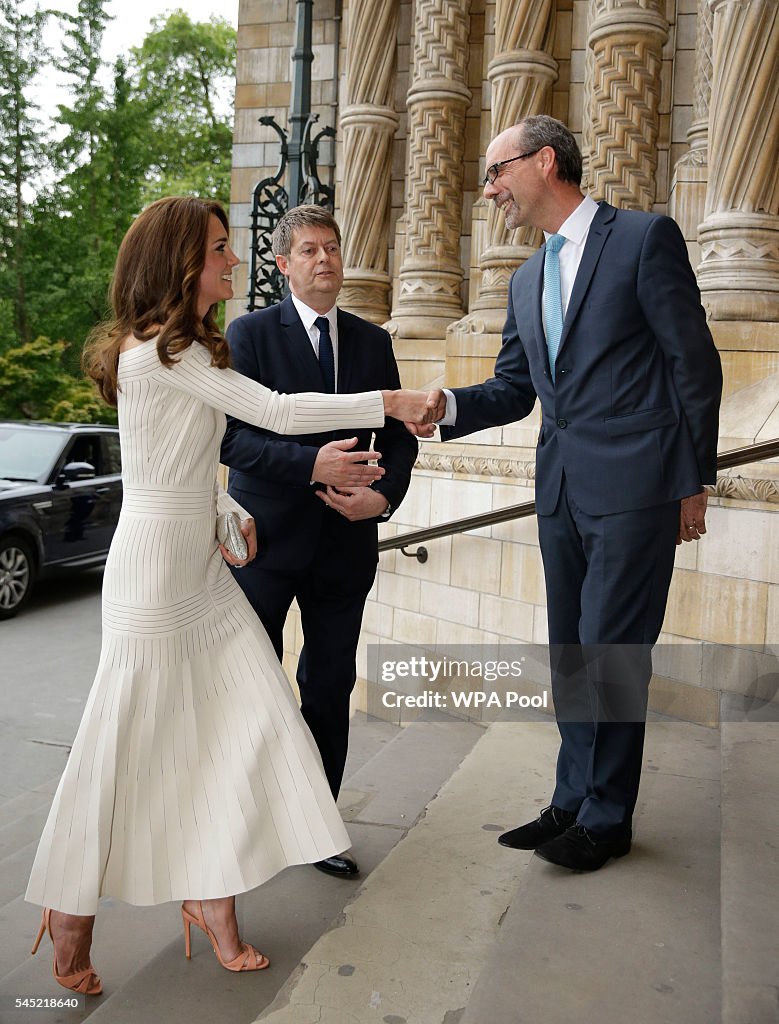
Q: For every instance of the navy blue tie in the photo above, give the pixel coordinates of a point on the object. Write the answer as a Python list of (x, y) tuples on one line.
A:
[(326, 356)]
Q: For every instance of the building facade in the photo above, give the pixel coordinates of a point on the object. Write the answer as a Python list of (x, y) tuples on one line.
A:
[(676, 107)]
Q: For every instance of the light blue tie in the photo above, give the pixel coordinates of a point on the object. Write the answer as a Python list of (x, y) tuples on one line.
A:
[(553, 299)]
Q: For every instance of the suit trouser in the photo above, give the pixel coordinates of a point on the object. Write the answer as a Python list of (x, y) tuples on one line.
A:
[(607, 580), (331, 596)]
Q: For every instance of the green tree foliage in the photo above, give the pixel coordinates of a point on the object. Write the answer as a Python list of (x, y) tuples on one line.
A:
[(158, 123), (34, 384), (21, 152), (183, 69)]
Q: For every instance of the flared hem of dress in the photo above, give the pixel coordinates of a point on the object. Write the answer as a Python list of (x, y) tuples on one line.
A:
[(192, 776)]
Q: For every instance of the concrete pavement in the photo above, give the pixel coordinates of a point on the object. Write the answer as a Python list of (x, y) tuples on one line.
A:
[(445, 926)]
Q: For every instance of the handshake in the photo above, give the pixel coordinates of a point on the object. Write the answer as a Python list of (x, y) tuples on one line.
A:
[(419, 410)]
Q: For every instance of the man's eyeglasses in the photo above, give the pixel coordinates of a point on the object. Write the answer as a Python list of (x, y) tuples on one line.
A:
[(494, 169)]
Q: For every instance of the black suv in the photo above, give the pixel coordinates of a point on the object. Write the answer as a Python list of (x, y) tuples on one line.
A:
[(60, 495)]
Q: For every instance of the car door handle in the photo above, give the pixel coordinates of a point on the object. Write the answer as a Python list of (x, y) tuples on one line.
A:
[(42, 506), (102, 490)]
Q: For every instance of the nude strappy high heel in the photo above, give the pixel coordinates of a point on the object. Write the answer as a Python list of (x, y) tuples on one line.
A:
[(87, 982), (247, 959)]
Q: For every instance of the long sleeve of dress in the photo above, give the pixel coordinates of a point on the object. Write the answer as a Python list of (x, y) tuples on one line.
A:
[(226, 503), (245, 399)]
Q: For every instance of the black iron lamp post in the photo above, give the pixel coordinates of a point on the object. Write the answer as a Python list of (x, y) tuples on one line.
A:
[(298, 151)]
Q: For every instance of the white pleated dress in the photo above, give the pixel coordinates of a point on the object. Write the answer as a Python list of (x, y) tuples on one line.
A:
[(192, 774)]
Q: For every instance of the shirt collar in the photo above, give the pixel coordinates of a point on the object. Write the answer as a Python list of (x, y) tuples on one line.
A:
[(309, 315), (576, 226)]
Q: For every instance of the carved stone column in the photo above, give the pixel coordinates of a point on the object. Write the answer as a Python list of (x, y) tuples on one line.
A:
[(626, 38), (430, 275), (688, 189), (368, 122), (739, 238), (521, 75)]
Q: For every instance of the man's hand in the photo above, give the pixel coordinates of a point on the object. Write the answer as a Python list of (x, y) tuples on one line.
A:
[(692, 518), (338, 466), (356, 502), (410, 406), (436, 406)]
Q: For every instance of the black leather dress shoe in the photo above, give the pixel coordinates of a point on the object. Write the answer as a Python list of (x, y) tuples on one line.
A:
[(343, 866), (550, 823), (581, 850)]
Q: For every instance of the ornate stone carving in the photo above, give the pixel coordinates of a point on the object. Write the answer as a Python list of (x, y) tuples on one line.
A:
[(368, 123), (739, 238), (477, 465), (741, 488), (430, 274), (521, 76), (626, 38), (736, 487), (688, 189)]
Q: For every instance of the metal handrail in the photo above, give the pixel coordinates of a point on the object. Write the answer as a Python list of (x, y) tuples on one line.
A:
[(725, 460)]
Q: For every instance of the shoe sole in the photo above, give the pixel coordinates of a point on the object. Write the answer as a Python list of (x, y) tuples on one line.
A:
[(513, 846), (581, 871)]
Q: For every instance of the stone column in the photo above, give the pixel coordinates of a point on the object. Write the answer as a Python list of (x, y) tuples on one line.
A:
[(430, 275), (521, 76), (626, 38), (688, 189), (739, 238), (368, 123)]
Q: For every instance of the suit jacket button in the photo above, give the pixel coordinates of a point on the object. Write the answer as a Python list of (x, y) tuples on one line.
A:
[(562, 424)]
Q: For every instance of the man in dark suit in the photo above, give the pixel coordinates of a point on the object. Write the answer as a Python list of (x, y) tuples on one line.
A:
[(605, 328), (316, 516)]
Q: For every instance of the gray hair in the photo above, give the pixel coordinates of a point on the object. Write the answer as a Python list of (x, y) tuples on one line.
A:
[(307, 216), (542, 130)]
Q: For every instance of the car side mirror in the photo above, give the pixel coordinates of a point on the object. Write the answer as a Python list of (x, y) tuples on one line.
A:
[(77, 471)]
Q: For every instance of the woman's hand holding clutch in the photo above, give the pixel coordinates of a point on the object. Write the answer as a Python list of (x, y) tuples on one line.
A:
[(249, 532)]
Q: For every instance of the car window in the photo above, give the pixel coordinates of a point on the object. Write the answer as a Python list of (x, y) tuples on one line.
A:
[(112, 454), (86, 448), (27, 453)]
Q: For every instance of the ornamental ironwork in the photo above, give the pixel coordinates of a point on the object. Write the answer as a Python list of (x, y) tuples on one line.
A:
[(299, 154)]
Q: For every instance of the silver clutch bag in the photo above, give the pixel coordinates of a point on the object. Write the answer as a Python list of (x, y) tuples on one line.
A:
[(228, 533)]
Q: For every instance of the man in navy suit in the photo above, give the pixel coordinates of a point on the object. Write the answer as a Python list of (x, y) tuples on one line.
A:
[(311, 497), (605, 328)]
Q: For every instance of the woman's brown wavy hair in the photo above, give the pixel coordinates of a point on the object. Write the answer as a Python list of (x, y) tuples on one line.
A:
[(157, 282)]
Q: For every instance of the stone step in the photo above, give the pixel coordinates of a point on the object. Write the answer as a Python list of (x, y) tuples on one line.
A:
[(412, 943), (638, 940), (287, 915), (139, 951), (750, 872)]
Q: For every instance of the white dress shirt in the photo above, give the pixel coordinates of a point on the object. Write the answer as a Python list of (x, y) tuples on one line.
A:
[(575, 230), (308, 316)]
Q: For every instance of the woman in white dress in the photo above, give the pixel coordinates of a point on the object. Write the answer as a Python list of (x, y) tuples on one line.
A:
[(192, 776)]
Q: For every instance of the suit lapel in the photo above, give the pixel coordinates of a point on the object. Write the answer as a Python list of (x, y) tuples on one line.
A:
[(600, 229), (299, 343), (537, 291), (346, 344)]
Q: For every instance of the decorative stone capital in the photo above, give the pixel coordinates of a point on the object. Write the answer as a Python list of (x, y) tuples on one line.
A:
[(739, 249), (739, 238), (367, 115), (634, 18), (516, 63)]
